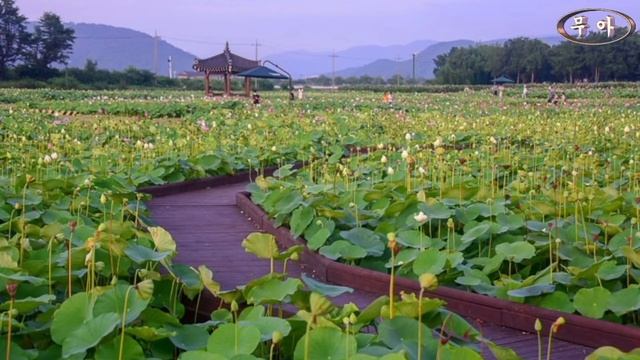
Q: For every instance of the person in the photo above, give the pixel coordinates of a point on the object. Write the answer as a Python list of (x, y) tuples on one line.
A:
[(256, 98), (500, 91), (390, 97), (563, 97), (300, 93), (494, 89), (552, 94), (291, 96), (385, 97), (525, 91)]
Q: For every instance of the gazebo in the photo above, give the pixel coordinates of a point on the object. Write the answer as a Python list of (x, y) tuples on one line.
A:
[(226, 64), (502, 80)]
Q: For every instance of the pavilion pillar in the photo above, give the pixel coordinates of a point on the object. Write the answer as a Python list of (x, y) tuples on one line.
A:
[(207, 85), (247, 86), (227, 84)]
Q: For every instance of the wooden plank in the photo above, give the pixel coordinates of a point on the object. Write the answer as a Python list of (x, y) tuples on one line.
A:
[(209, 229)]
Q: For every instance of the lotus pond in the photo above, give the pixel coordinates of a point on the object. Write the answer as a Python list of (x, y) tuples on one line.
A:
[(524, 201)]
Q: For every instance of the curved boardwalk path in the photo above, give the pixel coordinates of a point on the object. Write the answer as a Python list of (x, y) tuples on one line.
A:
[(208, 228)]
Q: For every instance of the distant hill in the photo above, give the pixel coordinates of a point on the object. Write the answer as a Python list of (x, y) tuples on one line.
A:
[(302, 64), (387, 68), (424, 63), (116, 48)]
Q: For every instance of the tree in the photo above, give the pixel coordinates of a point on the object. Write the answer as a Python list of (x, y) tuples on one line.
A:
[(13, 35), (52, 42)]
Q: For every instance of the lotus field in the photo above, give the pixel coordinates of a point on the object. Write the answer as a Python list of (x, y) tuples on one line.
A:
[(519, 200)]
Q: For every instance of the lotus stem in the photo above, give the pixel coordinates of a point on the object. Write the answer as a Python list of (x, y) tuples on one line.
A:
[(124, 321)]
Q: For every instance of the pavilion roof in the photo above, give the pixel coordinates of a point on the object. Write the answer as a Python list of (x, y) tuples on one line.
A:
[(225, 62)]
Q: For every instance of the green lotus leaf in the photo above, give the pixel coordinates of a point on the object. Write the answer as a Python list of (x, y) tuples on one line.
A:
[(300, 220), (148, 333), (625, 301), (190, 337), (592, 302), (89, 334), (366, 239), (262, 245), (342, 249), (273, 291), (141, 254), (430, 261), (111, 349), (516, 251), (324, 289), (325, 343), (557, 301), (234, 339), (70, 316)]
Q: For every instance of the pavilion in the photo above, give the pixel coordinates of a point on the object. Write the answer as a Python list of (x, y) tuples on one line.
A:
[(226, 64)]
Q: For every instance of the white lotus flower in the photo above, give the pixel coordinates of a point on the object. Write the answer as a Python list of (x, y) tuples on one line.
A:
[(383, 159), (421, 217), (47, 159), (390, 171), (54, 156), (380, 146), (421, 170), (493, 140), (405, 154), (407, 137), (627, 129), (438, 142)]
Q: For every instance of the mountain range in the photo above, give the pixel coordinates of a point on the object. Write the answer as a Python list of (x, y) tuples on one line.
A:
[(116, 48)]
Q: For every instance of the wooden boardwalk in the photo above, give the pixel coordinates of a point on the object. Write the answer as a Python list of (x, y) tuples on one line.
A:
[(208, 228)]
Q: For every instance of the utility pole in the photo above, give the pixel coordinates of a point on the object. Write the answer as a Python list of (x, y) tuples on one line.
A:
[(155, 52), (398, 71), (255, 81), (170, 68), (414, 68), (333, 69)]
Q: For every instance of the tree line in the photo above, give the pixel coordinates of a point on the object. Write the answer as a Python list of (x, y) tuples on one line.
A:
[(31, 54), (530, 60)]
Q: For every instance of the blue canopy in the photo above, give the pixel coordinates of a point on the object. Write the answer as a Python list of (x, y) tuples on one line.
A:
[(502, 80), (262, 72)]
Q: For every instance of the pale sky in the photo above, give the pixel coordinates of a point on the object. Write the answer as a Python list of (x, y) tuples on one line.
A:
[(201, 26)]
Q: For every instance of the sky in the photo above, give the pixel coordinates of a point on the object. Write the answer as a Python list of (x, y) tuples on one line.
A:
[(202, 26)]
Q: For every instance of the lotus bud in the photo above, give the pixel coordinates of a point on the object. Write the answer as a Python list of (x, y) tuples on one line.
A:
[(54, 156), (276, 337), (422, 197), (145, 289), (345, 320), (99, 266), (17, 206), (421, 170), (407, 137), (353, 318), (428, 281), (450, 223), (12, 289), (273, 148), (47, 159), (556, 325), (383, 159), (380, 146), (103, 199), (234, 306), (405, 154), (538, 325), (295, 256), (390, 171), (30, 179)]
